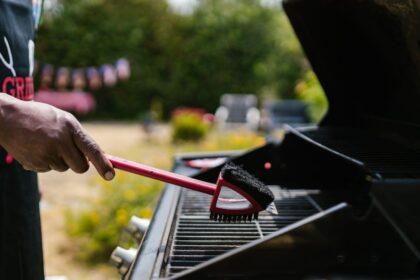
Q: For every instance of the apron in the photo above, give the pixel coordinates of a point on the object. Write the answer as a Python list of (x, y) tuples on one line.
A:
[(20, 229)]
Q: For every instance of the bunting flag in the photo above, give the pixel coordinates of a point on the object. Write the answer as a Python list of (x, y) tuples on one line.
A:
[(109, 75), (92, 77), (70, 84), (78, 79), (123, 69), (47, 74), (62, 78)]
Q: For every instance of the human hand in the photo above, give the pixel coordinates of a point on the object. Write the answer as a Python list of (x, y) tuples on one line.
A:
[(43, 138)]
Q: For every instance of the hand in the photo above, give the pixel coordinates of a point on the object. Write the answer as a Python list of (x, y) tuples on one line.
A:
[(43, 138)]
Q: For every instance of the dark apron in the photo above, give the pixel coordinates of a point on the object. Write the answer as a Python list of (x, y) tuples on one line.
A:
[(20, 229)]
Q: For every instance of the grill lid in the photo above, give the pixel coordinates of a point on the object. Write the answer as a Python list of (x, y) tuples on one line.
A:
[(366, 54)]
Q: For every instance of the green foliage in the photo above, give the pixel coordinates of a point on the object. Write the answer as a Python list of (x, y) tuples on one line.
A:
[(97, 229), (94, 32), (189, 126), (309, 90), (189, 60), (285, 63), (227, 47)]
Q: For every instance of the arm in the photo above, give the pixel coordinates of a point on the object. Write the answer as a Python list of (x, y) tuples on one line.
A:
[(42, 138)]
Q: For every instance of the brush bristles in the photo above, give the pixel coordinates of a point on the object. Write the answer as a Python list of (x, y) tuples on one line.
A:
[(233, 218), (248, 183)]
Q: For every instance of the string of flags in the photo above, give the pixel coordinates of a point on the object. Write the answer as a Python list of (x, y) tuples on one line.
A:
[(69, 84), (94, 78)]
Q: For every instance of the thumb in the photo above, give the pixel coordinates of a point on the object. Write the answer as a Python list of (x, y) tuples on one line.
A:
[(94, 154)]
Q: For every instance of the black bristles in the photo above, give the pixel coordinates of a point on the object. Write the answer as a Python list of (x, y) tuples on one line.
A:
[(233, 218), (247, 182)]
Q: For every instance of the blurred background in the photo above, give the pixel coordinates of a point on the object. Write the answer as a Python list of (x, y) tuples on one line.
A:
[(149, 79)]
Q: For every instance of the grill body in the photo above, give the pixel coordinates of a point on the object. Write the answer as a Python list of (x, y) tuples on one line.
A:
[(347, 192), (318, 233)]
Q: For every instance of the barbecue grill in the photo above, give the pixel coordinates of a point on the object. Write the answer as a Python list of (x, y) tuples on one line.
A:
[(347, 192)]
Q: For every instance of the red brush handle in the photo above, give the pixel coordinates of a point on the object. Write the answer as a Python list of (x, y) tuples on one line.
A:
[(162, 175)]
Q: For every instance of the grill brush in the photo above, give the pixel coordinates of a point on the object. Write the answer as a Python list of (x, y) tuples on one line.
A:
[(237, 195)]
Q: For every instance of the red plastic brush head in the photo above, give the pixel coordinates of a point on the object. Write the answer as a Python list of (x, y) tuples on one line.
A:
[(239, 196)]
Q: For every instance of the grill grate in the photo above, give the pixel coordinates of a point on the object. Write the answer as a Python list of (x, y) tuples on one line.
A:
[(197, 239)]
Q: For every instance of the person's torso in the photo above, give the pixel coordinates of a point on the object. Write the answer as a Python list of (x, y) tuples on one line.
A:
[(20, 234), (17, 31), (17, 48)]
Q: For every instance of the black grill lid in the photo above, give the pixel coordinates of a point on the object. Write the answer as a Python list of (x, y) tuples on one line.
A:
[(366, 54)]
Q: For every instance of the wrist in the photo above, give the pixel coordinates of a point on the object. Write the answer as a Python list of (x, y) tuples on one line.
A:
[(8, 105)]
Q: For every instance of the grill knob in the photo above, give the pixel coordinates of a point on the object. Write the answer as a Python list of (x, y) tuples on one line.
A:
[(137, 227), (122, 259)]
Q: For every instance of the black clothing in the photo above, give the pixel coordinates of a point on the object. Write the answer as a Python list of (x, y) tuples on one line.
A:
[(20, 229)]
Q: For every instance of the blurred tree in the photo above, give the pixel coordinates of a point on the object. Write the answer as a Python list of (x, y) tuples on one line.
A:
[(84, 33), (221, 46), (190, 60), (285, 63), (309, 90)]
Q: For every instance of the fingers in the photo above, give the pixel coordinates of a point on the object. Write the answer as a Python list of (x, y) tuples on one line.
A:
[(75, 159), (38, 169), (94, 153), (58, 164)]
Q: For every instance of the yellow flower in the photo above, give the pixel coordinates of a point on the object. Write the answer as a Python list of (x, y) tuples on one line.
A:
[(94, 217), (146, 212), (129, 195), (122, 217)]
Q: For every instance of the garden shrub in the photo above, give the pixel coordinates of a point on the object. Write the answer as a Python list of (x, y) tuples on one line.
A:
[(189, 126)]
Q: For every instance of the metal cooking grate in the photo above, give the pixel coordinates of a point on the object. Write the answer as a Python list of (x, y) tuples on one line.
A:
[(197, 239)]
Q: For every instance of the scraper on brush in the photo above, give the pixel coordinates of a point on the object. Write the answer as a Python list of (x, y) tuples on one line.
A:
[(237, 195)]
